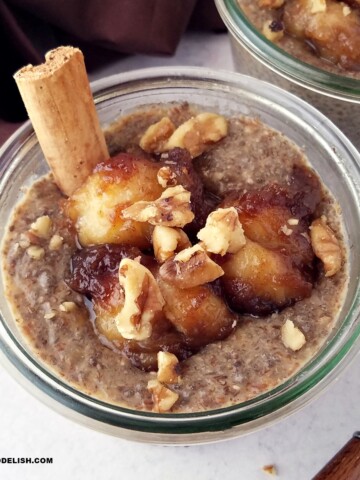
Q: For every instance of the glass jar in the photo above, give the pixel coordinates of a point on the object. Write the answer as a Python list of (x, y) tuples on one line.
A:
[(331, 155), (338, 97)]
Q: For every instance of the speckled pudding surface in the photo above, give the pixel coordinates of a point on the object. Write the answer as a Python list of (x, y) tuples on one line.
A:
[(249, 362)]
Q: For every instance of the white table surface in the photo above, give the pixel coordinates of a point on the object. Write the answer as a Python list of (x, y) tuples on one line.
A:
[(299, 445)]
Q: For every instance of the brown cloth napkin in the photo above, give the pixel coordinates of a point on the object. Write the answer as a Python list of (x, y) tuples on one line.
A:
[(103, 29)]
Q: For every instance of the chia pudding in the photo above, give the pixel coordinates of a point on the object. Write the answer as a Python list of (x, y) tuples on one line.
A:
[(60, 325), (288, 30)]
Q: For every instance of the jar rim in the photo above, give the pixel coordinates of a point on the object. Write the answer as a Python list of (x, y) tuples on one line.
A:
[(285, 398)]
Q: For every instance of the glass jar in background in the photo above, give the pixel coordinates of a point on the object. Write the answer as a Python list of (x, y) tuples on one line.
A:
[(338, 97)]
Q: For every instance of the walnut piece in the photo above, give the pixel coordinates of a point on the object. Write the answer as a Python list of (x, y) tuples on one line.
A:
[(35, 252), (24, 241), (155, 137), (286, 230), (172, 209), (346, 10), (168, 240), (223, 232), (163, 397), (270, 469), (167, 368), (274, 35), (326, 246), (56, 242), (143, 300), (291, 336), (196, 134), (67, 307), (166, 177), (190, 267), (41, 227), (318, 6)]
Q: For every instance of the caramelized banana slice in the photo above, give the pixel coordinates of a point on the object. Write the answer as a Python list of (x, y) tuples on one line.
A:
[(260, 281), (200, 314), (278, 218), (190, 319), (275, 268), (331, 27), (94, 273), (143, 353), (96, 207)]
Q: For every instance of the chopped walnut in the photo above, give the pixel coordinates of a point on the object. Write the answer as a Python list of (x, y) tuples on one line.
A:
[(291, 336), (172, 209), (50, 314), (28, 238), (198, 133), (67, 307), (167, 368), (163, 398), (223, 232), (286, 230), (293, 221), (24, 241), (346, 10), (318, 6), (35, 252), (270, 469), (166, 177), (167, 240), (272, 32), (190, 268), (186, 254), (143, 300), (42, 227), (156, 135), (326, 246), (56, 242)]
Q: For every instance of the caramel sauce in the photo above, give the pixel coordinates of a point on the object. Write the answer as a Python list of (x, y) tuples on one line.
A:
[(94, 273), (275, 269)]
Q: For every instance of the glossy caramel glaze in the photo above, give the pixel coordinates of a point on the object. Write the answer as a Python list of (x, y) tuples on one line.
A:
[(276, 267), (96, 207), (180, 163), (333, 33), (192, 318)]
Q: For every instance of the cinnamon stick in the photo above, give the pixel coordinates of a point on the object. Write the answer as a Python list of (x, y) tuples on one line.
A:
[(60, 105), (345, 465)]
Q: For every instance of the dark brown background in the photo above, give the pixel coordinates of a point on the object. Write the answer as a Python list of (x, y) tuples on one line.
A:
[(103, 29)]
